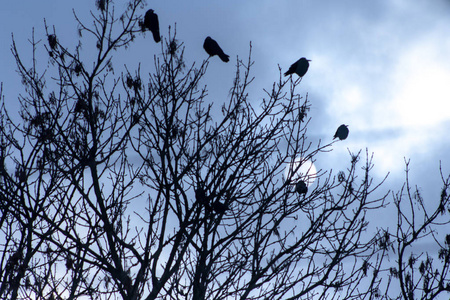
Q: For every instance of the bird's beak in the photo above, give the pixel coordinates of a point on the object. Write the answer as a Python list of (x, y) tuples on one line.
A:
[(308, 60)]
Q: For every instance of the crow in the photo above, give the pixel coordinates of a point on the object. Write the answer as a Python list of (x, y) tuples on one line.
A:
[(52, 41), (151, 23), (301, 187), (300, 67), (341, 132), (212, 48)]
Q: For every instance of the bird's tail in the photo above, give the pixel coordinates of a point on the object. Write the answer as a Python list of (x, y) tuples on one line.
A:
[(156, 36), (224, 57)]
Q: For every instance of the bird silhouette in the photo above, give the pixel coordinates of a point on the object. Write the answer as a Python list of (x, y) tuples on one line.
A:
[(212, 48), (151, 23), (301, 187), (300, 67), (341, 132), (52, 41)]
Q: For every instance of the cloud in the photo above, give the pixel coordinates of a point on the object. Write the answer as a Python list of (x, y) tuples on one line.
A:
[(386, 74)]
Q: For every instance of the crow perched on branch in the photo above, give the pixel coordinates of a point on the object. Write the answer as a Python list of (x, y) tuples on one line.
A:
[(300, 67), (341, 132), (212, 48), (52, 41), (151, 23), (301, 187)]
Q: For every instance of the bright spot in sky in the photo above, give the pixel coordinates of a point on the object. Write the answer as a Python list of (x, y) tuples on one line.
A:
[(302, 169), (422, 95)]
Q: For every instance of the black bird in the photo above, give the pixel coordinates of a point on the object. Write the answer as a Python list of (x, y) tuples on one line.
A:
[(52, 41), (300, 67), (341, 132), (151, 23), (212, 48), (301, 187)]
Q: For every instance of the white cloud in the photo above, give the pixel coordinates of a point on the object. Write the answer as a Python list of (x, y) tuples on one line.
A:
[(422, 84)]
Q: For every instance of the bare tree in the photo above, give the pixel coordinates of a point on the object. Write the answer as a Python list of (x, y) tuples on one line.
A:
[(419, 247), (128, 187)]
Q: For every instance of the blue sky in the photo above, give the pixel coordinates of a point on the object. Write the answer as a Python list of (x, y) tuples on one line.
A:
[(382, 67)]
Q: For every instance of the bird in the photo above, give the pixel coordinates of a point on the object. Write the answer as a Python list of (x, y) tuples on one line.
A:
[(301, 187), (212, 48), (300, 67), (52, 41), (341, 132), (151, 23)]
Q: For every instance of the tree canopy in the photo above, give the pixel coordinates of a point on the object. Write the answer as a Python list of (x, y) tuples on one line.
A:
[(123, 185)]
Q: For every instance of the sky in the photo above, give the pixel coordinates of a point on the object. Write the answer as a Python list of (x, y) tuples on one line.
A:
[(381, 67)]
